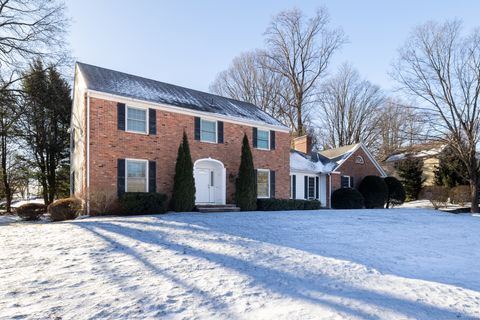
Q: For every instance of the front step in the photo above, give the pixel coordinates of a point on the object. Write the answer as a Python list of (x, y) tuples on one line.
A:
[(218, 208)]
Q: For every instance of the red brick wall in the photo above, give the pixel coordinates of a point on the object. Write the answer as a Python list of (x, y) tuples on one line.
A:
[(355, 170), (107, 144)]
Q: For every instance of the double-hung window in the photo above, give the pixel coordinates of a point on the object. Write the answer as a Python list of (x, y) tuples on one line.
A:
[(208, 131), (263, 139), (263, 183), (347, 182), (136, 120), (136, 176), (311, 188)]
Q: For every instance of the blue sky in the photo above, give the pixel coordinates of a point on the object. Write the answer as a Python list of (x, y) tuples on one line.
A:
[(189, 42)]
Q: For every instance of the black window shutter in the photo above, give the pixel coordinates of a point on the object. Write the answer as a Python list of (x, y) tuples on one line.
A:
[(305, 192), (254, 137), (120, 176), (272, 140), (294, 187), (317, 181), (256, 178), (121, 116), (152, 176), (220, 131), (152, 121), (272, 184), (197, 128), (352, 185)]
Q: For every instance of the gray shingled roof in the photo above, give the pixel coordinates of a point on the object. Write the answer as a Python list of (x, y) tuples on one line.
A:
[(127, 85)]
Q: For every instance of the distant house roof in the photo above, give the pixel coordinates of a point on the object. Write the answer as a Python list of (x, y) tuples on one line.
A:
[(425, 150), (127, 85)]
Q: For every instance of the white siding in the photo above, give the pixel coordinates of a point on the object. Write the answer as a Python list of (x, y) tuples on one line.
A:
[(300, 186)]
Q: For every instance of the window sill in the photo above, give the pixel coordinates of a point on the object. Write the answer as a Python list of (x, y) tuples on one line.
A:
[(211, 142), (137, 132)]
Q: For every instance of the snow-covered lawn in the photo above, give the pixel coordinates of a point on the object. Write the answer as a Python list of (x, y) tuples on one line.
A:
[(366, 264)]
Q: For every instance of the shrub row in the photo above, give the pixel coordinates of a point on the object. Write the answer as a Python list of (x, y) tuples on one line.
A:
[(287, 204), (63, 209), (347, 198), (440, 195), (138, 203)]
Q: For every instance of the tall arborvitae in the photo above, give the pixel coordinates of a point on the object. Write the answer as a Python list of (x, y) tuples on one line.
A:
[(45, 124), (410, 172), (246, 194), (183, 197)]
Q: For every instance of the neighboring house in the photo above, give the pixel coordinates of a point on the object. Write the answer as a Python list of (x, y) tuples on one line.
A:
[(428, 152), (315, 175), (126, 131)]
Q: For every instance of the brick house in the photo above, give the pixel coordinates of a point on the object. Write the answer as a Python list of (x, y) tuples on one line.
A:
[(126, 130), (315, 175)]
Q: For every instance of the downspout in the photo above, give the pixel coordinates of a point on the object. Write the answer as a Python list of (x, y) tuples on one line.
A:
[(330, 190), (88, 153)]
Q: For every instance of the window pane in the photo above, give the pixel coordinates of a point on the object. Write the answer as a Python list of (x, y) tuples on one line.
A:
[(262, 139), (136, 176), (262, 184), (311, 187), (136, 120), (208, 131)]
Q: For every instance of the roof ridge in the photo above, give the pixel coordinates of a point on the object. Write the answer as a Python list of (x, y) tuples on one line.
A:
[(174, 85)]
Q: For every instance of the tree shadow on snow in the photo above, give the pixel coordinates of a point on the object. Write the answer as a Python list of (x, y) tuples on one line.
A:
[(313, 288)]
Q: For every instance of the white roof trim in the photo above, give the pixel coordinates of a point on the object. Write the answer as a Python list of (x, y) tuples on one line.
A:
[(190, 112)]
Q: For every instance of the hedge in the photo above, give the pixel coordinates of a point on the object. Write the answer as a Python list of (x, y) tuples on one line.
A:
[(287, 204), (347, 198), (138, 203)]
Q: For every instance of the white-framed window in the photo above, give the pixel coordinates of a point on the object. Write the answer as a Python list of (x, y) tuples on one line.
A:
[(263, 139), (208, 131), (136, 173), (263, 183), (137, 119), (359, 160), (347, 182)]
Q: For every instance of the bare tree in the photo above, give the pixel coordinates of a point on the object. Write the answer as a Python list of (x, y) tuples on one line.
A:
[(400, 125), (441, 67), (248, 80), (349, 109), (300, 50)]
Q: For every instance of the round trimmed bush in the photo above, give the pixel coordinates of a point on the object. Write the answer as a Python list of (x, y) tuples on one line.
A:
[(31, 211), (374, 191), (396, 192), (65, 209), (460, 195), (347, 198)]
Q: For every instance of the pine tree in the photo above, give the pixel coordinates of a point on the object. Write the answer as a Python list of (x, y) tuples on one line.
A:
[(410, 172), (183, 197), (45, 124), (451, 171), (246, 194)]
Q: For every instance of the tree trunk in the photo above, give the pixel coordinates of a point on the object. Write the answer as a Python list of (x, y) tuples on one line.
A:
[(474, 193), (6, 184)]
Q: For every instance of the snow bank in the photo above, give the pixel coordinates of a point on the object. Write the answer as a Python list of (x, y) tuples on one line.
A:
[(358, 264)]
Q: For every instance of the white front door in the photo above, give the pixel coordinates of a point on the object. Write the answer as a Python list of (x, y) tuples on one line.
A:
[(204, 184)]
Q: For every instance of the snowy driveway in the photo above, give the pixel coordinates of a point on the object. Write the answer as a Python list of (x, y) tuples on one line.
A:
[(382, 264)]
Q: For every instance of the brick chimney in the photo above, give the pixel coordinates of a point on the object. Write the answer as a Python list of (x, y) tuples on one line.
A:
[(302, 144)]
